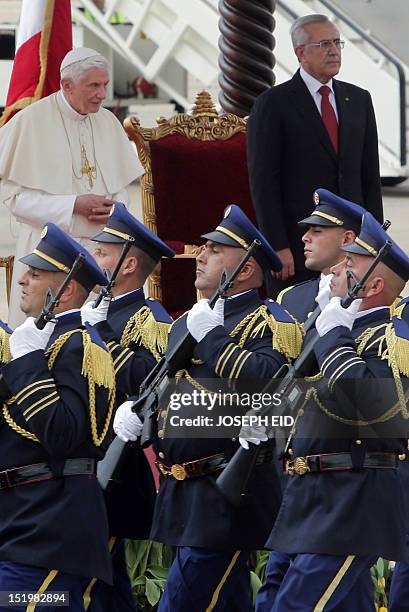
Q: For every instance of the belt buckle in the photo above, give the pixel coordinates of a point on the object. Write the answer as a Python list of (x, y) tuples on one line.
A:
[(178, 471), (298, 466)]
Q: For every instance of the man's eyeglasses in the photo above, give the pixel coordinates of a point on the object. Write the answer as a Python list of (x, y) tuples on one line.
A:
[(327, 44)]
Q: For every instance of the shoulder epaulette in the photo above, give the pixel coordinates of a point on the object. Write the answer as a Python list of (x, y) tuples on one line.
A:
[(397, 343), (148, 327), (5, 333), (159, 312), (400, 308), (287, 333), (283, 292), (97, 368)]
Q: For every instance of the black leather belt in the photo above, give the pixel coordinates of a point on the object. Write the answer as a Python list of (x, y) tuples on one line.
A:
[(37, 472), (205, 466), (334, 462)]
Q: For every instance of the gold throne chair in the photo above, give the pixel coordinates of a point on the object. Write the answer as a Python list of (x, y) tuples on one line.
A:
[(195, 165)]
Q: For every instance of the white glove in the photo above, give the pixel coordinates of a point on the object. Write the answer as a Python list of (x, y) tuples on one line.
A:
[(201, 319), (127, 425), (254, 435), (95, 315), (334, 315), (27, 338), (324, 292)]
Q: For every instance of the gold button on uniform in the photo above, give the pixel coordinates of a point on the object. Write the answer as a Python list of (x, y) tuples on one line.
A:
[(161, 455), (161, 433), (358, 441)]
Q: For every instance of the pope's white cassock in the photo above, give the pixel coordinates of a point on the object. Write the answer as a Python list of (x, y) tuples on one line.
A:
[(42, 169)]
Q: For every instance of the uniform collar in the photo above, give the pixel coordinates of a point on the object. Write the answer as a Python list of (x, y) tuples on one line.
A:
[(241, 301), (132, 297), (378, 314), (65, 322)]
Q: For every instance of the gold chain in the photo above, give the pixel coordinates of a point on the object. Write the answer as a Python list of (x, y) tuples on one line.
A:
[(82, 147)]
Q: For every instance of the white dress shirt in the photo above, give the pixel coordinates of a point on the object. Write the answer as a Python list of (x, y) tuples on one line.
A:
[(313, 87)]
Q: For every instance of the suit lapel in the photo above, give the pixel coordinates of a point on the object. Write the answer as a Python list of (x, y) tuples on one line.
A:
[(345, 108), (306, 106)]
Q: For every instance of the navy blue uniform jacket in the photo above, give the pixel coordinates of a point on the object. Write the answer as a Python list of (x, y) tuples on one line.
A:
[(131, 498), (60, 523), (360, 511), (193, 512)]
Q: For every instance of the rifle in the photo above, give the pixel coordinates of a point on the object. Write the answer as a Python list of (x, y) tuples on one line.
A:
[(155, 384), (106, 291), (233, 480), (52, 299)]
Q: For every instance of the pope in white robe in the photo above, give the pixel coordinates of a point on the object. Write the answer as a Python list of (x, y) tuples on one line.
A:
[(64, 159)]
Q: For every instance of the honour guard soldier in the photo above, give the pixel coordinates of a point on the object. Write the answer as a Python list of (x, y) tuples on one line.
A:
[(242, 338), (53, 523), (333, 223), (135, 329), (348, 440)]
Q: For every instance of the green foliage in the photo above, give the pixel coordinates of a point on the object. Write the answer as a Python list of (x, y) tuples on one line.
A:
[(257, 562), (149, 562), (381, 574), (148, 565)]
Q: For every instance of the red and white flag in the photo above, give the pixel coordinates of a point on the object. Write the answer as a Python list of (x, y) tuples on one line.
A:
[(44, 38)]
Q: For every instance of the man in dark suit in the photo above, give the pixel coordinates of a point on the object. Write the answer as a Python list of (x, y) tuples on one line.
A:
[(306, 133)]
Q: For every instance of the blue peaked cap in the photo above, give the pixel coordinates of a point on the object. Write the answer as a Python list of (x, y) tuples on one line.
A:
[(371, 239), (236, 229), (56, 252), (333, 211), (122, 225)]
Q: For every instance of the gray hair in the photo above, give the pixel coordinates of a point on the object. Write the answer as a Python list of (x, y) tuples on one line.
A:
[(77, 70), (298, 34)]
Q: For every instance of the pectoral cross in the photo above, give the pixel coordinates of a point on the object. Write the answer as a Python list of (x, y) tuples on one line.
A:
[(90, 171)]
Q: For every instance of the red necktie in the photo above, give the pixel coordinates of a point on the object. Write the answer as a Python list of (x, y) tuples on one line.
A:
[(328, 116)]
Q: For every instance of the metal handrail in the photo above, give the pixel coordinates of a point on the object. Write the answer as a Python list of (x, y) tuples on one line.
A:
[(385, 53)]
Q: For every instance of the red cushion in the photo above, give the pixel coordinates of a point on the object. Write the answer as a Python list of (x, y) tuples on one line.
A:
[(177, 282), (194, 181)]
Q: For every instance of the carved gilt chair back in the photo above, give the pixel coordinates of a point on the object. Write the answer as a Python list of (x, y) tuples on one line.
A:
[(195, 165)]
